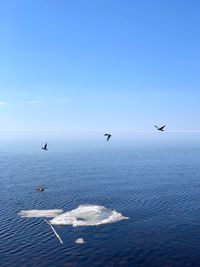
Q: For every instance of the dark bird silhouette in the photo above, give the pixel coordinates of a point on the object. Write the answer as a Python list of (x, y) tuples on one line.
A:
[(160, 128), (45, 147), (40, 189), (108, 136)]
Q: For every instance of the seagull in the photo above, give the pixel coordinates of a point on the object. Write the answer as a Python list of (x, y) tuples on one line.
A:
[(45, 147), (108, 136), (160, 128), (40, 189)]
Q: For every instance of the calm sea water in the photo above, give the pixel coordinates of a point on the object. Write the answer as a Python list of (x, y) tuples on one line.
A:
[(157, 187)]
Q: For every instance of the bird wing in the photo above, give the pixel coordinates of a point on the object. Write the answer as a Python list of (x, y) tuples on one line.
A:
[(45, 146), (105, 134), (109, 135), (156, 127), (161, 128)]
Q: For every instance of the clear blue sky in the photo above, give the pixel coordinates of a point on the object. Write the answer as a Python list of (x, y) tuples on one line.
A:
[(108, 65)]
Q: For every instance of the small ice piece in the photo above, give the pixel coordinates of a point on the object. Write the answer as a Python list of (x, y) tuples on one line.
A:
[(40, 213), (80, 241), (86, 215)]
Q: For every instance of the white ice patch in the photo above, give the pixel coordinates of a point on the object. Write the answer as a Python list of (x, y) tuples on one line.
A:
[(40, 213), (86, 215), (79, 241)]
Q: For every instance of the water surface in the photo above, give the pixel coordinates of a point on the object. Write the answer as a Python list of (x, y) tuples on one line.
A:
[(157, 187)]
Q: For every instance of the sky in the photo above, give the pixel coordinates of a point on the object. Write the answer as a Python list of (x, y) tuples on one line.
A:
[(85, 66)]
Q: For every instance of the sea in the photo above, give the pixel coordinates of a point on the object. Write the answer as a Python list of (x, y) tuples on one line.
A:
[(157, 186)]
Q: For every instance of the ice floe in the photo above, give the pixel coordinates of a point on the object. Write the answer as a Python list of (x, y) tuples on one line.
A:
[(40, 213), (86, 215), (83, 215)]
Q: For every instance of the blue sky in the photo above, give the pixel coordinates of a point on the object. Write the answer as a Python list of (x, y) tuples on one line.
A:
[(95, 66)]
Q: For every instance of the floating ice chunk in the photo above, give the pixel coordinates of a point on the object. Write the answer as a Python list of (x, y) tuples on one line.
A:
[(86, 215), (80, 241), (40, 213)]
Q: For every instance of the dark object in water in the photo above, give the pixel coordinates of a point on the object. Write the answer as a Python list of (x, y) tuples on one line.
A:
[(45, 147), (40, 189)]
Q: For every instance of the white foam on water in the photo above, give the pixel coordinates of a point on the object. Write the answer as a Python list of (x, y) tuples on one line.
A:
[(86, 215), (80, 241), (40, 213)]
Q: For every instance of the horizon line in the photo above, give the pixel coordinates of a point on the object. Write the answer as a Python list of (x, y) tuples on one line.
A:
[(98, 131)]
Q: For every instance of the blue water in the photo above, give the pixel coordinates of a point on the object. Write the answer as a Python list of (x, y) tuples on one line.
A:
[(157, 187)]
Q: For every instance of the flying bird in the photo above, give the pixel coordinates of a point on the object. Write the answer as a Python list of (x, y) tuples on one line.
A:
[(160, 128), (45, 147), (108, 136)]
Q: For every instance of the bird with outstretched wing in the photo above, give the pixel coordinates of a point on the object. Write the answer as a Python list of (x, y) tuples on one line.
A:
[(45, 147), (108, 136), (160, 128)]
